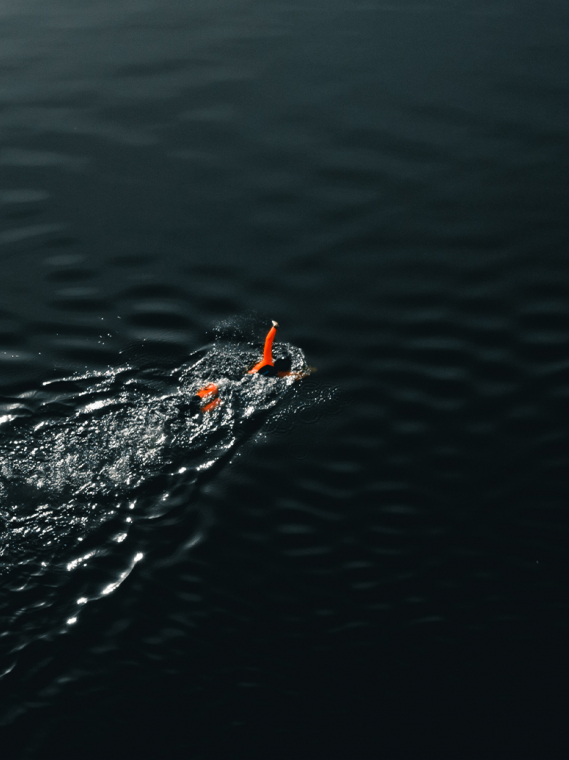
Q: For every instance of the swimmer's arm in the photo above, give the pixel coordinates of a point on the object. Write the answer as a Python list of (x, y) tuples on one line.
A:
[(208, 394), (267, 350)]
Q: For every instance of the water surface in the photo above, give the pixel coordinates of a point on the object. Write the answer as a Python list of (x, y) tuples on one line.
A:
[(383, 545)]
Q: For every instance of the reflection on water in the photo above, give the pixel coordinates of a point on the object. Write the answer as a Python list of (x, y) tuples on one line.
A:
[(86, 458)]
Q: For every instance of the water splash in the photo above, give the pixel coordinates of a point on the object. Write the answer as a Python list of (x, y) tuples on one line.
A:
[(87, 460)]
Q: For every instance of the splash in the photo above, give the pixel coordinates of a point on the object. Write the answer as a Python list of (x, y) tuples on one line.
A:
[(86, 460)]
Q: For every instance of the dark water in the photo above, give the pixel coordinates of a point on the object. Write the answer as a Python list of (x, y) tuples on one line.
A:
[(371, 562)]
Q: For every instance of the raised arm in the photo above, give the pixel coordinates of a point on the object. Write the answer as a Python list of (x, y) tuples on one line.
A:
[(267, 359)]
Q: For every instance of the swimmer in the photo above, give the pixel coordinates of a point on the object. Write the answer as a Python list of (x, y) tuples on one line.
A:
[(207, 398)]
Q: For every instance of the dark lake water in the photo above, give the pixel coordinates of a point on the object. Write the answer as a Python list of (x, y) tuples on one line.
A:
[(372, 561)]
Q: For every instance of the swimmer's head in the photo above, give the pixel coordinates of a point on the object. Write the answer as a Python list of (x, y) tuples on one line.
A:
[(283, 365), (274, 370)]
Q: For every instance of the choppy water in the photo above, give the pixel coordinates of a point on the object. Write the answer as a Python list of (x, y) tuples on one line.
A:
[(369, 557)]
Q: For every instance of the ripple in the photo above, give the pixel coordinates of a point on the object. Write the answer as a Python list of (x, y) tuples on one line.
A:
[(25, 157), (22, 196), (31, 231)]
